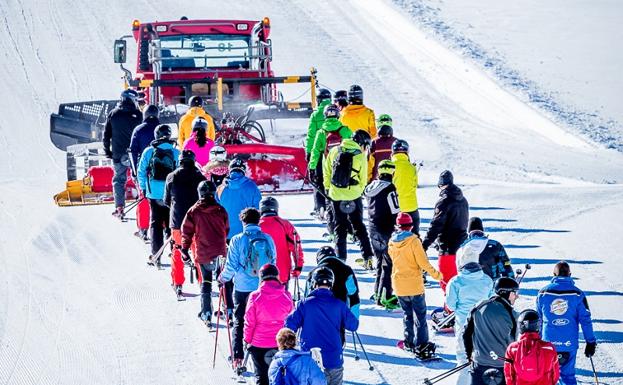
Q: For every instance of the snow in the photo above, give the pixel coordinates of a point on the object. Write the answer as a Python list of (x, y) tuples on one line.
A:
[(79, 305)]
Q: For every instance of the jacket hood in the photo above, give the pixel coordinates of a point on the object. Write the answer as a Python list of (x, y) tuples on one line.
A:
[(400, 157), (452, 192), (401, 236), (127, 106), (164, 145), (355, 108), (151, 120), (533, 336), (332, 125), (470, 251), (283, 356), (195, 111), (375, 187), (472, 272), (563, 280), (322, 292), (272, 288), (350, 145), (252, 228), (237, 180)]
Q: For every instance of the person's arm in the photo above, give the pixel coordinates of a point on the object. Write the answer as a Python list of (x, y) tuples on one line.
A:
[(233, 258), (351, 323), (167, 190), (250, 320), (226, 221), (108, 135), (392, 201), (326, 168), (584, 318), (312, 128), (372, 124), (211, 133), (352, 290), (317, 150), (436, 224), (181, 132), (555, 373), (134, 149), (295, 319), (188, 230), (273, 248), (294, 246), (452, 295), (468, 333), (142, 168), (363, 171), (509, 368), (505, 263), (422, 260)]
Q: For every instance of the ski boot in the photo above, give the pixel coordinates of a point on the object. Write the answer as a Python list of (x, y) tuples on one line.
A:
[(406, 346), (443, 321), (391, 304), (118, 213), (425, 351)]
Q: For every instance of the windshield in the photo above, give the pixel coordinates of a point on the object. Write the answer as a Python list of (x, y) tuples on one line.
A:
[(205, 51)]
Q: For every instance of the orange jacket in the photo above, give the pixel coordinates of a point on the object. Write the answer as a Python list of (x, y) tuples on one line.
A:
[(409, 259), (359, 117), (185, 127)]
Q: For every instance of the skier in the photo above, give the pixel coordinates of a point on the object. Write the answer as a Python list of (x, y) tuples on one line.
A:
[(357, 116), (491, 326), (381, 148), (218, 167), (563, 308), (531, 361), (345, 176), (195, 104), (448, 226), (267, 309), (340, 99), (286, 238), (409, 260), (120, 124), (493, 259), (205, 228), (157, 161), (180, 194), (383, 209), (247, 252), (406, 182), (199, 142), (292, 366), (321, 318)]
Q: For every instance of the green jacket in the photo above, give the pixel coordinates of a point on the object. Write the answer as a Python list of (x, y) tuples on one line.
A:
[(315, 123), (320, 143), (360, 168)]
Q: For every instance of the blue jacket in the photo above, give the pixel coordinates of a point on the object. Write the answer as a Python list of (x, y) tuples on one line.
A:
[(154, 189), (236, 194), (142, 136), (321, 317), (562, 308), (237, 257), (467, 289), (303, 367)]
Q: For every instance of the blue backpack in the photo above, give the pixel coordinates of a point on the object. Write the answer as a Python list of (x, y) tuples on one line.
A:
[(285, 376), (259, 253)]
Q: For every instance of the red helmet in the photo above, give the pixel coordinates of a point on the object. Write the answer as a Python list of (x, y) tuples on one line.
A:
[(404, 220)]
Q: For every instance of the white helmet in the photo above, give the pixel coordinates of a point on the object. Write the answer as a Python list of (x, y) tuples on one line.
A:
[(218, 153)]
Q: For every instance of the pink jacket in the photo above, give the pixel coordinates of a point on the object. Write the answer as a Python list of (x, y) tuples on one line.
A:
[(267, 309), (202, 154), (287, 243)]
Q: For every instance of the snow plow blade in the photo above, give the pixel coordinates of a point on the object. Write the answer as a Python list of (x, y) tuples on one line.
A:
[(94, 189), (81, 122)]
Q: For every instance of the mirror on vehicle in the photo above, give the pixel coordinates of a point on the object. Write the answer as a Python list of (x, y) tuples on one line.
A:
[(120, 52)]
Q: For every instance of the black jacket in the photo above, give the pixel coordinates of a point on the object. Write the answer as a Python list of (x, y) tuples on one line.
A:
[(382, 206), (495, 262), (120, 124), (449, 223), (142, 136), (180, 192), (342, 272)]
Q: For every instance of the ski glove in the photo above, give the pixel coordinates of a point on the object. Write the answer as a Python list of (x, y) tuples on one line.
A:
[(297, 271), (108, 153), (589, 351), (185, 256)]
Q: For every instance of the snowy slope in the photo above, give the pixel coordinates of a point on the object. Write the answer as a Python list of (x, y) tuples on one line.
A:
[(78, 305)]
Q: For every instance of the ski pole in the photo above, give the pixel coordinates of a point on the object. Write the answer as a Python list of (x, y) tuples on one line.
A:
[(161, 250), (446, 374), (364, 351), (528, 267), (132, 205), (494, 356), (594, 372), (220, 298), (355, 346), (297, 290), (231, 351)]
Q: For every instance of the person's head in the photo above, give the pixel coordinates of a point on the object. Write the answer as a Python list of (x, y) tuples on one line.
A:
[(325, 252), (129, 97), (404, 222), (331, 111), (187, 158), (475, 223), (384, 120), (269, 272), (386, 130), (218, 153), (445, 179), (162, 132), (206, 189), (323, 94), (322, 277), (195, 101), (340, 98), (200, 127), (400, 146), (468, 256), (562, 269), (363, 139), (237, 165), (386, 168), (269, 206), (151, 111), (507, 288), (355, 94), (286, 339), (250, 216), (528, 321)]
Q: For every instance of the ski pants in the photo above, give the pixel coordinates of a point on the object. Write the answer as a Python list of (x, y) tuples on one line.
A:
[(567, 369), (447, 268), (319, 199), (415, 217), (477, 374), (342, 223), (240, 307), (159, 224), (461, 356), (119, 181), (334, 376), (261, 363), (414, 305), (205, 277), (229, 287), (177, 265), (383, 281)]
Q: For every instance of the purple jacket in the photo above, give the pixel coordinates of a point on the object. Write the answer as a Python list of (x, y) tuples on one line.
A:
[(202, 154)]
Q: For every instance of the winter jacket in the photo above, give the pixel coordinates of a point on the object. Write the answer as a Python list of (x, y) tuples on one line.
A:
[(185, 127), (382, 205), (202, 154), (287, 243), (154, 189), (142, 136), (470, 250), (120, 124), (207, 224), (321, 317), (381, 149), (303, 367), (316, 120), (491, 327), (406, 182), (359, 173), (320, 142), (267, 309), (237, 193), (180, 192), (216, 171), (237, 254), (345, 286), (563, 307), (409, 259), (359, 117), (449, 223), (467, 289), (534, 362), (495, 262)]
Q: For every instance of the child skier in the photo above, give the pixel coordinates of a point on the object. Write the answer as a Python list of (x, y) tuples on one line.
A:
[(218, 167), (292, 366)]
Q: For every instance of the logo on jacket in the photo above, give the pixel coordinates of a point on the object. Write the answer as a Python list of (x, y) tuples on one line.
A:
[(560, 322), (559, 306)]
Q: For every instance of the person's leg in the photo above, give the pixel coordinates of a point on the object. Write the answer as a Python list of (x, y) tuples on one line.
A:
[(567, 370), (240, 307), (229, 296), (330, 217), (118, 183), (447, 267), (258, 357), (386, 281), (177, 266), (206, 291), (415, 217), (377, 247), (341, 229), (155, 227), (356, 220), (334, 376), (419, 308), (407, 320), (319, 200), (461, 356), (476, 373)]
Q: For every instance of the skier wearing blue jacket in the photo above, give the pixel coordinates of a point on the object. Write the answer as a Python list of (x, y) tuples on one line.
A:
[(563, 308), (291, 364)]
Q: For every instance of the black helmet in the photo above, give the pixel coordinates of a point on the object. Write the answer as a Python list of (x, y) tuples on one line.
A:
[(331, 111), (323, 94), (195, 101), (386, 130), (362, 138), (400, 145), (504, 286), (340, 98), (151, 111), (528, 321), (445, 178), (129, 96), (322, 276), (206, 188), (269, 271), (187, 156), (199, 123), (325, 252), (162, 131), (237, 164), (355, 94), (269, 205)]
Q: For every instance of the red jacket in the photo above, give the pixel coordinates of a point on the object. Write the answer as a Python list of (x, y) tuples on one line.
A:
[(287, 243), (208, 224), (267, 309), (534, 362), (381, 149)]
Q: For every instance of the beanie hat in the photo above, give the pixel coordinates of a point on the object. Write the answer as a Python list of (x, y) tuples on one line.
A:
[(475, 223), (404, 220), (445, 178)]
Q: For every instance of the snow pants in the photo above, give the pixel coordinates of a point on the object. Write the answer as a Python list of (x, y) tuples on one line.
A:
[(240, 307), (177, 265), (477, 374), (334, 376), (567, 370), (414, 305), (205, 278), (383, 281), (447, 268), (159, 224), (119, 181), (342, 223), (415, 217), (461, 355), (261, 363)]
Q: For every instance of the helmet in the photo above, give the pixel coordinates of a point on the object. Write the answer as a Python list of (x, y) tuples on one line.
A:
[(322, 276), (151, 111), (528, 321), (323, 94), (331, 111), (218, 153), (199, 123), (384, 120), (269, 271), (505, 285), (269, 205), (187, 156), (355, 94), (404, 220), (400, 145), (129, 95), (445, 178), (162, 131), (206, 188), (386, 166), (325, 252), (362, 138), (237, 164), (195, 101), (340, 98), (386, 130)]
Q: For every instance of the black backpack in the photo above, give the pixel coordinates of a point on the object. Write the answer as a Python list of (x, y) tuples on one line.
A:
[(161, 164), (343, 169)]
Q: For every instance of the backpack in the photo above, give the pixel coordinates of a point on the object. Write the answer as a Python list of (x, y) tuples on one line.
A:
[(259, 253), (333, 139), (343, 168), (285, 376), (161, 164)]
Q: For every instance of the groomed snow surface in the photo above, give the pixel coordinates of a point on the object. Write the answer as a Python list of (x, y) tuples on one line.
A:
[(78, 304)]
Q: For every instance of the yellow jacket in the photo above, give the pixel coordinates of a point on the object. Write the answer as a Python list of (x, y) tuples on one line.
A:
[(359, 117), (409, 259), (405, 180), (185, 127), (359, 173)]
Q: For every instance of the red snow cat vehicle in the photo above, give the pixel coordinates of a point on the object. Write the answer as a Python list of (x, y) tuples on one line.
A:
[(228, 64)]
